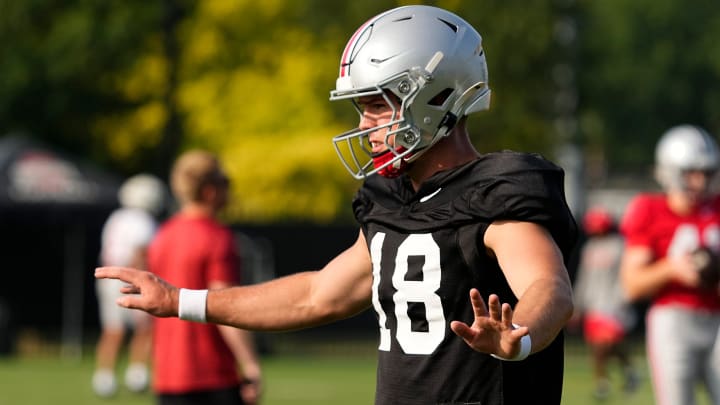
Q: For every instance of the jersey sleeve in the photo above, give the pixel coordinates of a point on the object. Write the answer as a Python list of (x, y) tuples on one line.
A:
[(635, 221), (526, 187)]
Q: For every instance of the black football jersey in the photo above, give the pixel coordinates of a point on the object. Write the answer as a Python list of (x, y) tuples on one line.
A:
[(427, 252)]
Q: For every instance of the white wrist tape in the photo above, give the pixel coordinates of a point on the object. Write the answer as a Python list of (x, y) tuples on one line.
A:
[(525, 348), (191, 305)]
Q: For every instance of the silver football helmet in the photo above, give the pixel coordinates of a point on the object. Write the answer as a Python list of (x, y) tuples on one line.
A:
[(143, 191), (683, 148), (428, 59)]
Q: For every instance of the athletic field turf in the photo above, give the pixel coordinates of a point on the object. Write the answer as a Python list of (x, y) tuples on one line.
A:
[(306, 374)]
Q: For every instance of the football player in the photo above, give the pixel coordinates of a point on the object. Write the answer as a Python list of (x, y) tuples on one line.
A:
[(461, 254), (662, 231), (195, 363), (125, 237)]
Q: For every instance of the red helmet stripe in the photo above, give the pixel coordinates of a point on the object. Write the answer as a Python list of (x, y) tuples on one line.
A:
[(345, 59), (350, 45)]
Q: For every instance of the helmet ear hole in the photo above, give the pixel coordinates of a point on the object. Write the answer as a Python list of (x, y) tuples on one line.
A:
[(439, 99)]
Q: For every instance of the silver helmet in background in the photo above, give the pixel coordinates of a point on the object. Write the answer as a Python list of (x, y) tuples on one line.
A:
[(681, 149)]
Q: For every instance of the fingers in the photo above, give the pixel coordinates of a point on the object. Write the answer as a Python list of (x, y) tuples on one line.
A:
[(520, 332), (507, 315), (492, 330), (121, 273), (463, 330), (494, 308), (129, 301), (478, 304), (496, 311), (129, 289)]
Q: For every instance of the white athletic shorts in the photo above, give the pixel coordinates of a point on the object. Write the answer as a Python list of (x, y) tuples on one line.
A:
[(113, 316)]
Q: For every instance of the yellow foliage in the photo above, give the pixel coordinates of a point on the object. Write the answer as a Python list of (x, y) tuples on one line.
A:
[(271, 123), (206, 45), (220, 9), (294, 176), (257, 94), (273, 127), (125, 133)]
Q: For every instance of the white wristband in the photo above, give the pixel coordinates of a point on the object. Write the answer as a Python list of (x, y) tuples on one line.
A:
[(525, 348), (191, 305)]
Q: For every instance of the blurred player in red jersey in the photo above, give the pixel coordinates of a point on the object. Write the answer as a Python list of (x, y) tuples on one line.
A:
[(662, 231), (606, 314), (197, 363), (461, 254)]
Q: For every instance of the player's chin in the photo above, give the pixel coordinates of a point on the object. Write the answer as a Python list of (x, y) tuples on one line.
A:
[(697, 195)]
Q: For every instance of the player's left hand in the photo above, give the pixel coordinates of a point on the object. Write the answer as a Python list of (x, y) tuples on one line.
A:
[(492, 331), (250, 391)]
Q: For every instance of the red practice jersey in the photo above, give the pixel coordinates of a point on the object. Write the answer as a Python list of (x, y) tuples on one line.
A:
[(191, 356), (650, 223)]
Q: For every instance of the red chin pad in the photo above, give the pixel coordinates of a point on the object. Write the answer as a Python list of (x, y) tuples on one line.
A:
[(392, 170)]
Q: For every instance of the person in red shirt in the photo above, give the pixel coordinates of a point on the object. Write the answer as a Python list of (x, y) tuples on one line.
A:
[(662, 233), (194, 362)]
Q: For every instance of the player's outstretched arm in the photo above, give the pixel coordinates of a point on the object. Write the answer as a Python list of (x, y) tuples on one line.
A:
[(533, 265), (341, 289)]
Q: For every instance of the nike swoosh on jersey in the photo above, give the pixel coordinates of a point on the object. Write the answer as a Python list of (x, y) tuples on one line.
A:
[(431, 195)]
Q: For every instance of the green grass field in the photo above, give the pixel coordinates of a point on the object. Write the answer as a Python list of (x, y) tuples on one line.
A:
[(315, 374)]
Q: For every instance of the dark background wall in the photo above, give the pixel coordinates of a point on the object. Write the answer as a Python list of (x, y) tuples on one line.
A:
[(35, 255)]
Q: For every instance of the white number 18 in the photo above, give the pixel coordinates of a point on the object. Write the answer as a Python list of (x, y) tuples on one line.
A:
[(412, 342)]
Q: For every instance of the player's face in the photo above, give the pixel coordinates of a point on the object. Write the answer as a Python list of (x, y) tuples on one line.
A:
[(376, 112), (220, 186), (697, 183)]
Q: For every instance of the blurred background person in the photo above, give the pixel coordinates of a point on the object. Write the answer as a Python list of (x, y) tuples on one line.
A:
[(126, 235), (664, 232), (600, 305), (197, 363)]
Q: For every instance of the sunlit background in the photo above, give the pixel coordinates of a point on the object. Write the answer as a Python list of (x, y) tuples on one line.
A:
[(92, 92)]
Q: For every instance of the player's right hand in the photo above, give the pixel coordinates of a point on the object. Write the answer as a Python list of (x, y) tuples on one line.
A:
[(145, 291), (684, 270), (707, 265)]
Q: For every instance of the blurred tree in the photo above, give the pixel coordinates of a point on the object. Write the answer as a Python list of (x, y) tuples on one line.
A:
[(646, 65), (518, 40), (130, 83), (256, 88), (60, 70), (254, 85)]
